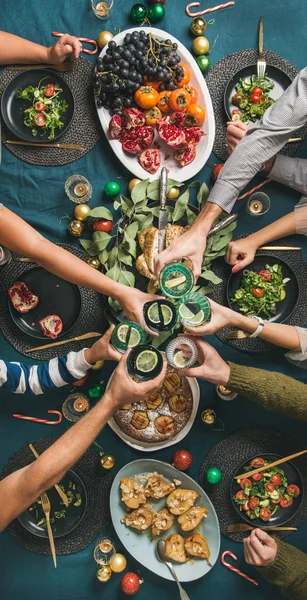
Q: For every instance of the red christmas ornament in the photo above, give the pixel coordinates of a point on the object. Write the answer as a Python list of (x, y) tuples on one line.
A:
[(157, 1), (182, 460), (82, 381), (130, 584), (102, 225), (216, 171)]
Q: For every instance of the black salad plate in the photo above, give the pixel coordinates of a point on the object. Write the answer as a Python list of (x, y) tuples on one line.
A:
[(279, 78), (56, 296), (12, 108), (60, 525), (282, 515), (283, 309)]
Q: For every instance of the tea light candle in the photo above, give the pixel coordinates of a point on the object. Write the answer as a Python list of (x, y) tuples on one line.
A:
[(80, 189), (256, 206)]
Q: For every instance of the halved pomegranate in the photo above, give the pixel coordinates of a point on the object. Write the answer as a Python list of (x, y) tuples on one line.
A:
[(145, 136), (133, 117), (193, 135), (150, 160), (178, 119), (172, 135), (116, 127), (185, 156), (130, 143), (22, 298), (51, 326)]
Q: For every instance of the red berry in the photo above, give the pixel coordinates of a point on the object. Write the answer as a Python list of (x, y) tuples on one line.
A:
[(130, 584), (102, 225), (81, 381), (182, 460), (216, 171)]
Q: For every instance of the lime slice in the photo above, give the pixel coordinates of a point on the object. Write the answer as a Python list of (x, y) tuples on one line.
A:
[(198, 319), (153, 313), (146, 361), (179, 359), (171, 283), (185, 312), (134, 337)]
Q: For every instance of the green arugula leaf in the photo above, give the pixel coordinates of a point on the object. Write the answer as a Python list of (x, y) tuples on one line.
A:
[(101, 212)]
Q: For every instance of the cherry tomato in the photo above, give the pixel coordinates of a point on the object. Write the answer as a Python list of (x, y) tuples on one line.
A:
[(163, 102), (39, 106), (257, 476), (186, 76), (146, 96), (255, 98), (257, 462), (236, 99), (253, 503), (286, 502), (197, 113), (193, 93), (49, 90), (245, 482), (278, 499), (40, 119), (152, 115), (179, 99), (245, 506), (293, 490), (265, 275), (265, 514), (154, 84), (81, 382), (240, 494), (257, 292), (258, 91), (276, 479), (270, 487), (103, 225)]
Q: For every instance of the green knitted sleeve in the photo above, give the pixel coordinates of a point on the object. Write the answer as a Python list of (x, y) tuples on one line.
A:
[(273, 391), (288, 571)]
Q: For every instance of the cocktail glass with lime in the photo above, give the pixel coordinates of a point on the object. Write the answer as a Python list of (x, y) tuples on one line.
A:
[(160, 315), (144, 362), (127, 335), (176, 279), (194, 310)]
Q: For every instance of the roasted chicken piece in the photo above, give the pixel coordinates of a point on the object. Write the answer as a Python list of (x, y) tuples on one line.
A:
[(174, 547), (180, 500), (139, 519), (133, 494), (151, 248), (161, 521), (196, 545), (142, 267), (165, 425), (140, 419), (172, 382), (156, 487), (177, 403), (192, 517), (154, 400)]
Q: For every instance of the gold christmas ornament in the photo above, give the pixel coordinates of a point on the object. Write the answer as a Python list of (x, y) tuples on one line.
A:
[(97, 365), (200, 46), (76, 228), (173, 193), (94, 262), (208, 416), (107, 461), (104, 573), (118, 563), (104, 38), (198, 26), (82, 211), (132, 183)]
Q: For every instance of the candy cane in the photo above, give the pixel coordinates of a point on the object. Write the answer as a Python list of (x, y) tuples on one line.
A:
[(81, 39), (228, 553), (204, 12), (45, 421), (254, 189)]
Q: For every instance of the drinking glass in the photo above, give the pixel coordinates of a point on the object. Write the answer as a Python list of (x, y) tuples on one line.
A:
[(258, 204), (102, 10), (78, 189)]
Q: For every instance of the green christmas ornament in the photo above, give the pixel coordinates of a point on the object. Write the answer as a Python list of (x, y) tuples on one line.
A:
[(112, 189), (96, 390), (204, 63), (138, 13), (213, 475), (156, 12)]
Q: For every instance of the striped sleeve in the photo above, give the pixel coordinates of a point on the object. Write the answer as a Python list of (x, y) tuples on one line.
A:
[(38, 379)]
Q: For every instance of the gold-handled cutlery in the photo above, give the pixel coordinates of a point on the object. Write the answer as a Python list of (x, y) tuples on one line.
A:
[(56, 486), (46, 508), (245, 527), (265, 467), (261, 62), (41, 145), (66, 66), (84, 336), (280, 248), (236, 335)]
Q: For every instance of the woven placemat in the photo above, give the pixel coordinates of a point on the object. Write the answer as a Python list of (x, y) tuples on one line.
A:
[(232, 452), (97, 514), (91, 316), (84, 130), (299, 315), (217, 80)]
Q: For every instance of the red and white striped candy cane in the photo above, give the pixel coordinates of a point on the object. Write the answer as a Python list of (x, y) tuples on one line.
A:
[(82, 39), (228, 553), (207, 10), (45, 421), (254, 189)]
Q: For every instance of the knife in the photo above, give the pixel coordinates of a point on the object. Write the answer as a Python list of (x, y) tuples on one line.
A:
[(222, 224), (163, 214)]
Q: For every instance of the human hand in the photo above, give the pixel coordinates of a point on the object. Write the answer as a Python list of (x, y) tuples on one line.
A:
[(133, 306), (66, 46), (212, 367), (124, 390), (241, 253), (191, 244), (260, 549), (236, 130), (221, 317), (102, 349)]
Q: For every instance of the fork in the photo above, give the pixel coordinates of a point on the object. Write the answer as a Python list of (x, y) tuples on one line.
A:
[(46, 508), (261, 62), (66, 66), (236, 335)]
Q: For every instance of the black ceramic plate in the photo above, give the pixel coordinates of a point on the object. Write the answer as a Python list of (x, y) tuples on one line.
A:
[(283, 515), (12, 109), (60, 526), (56, 296), (279, 78), (285, 308)]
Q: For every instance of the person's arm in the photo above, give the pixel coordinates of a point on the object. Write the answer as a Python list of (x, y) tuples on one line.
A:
[(64, 264), (37, 379), (261, 143), (14, 49), (20, 489), (279, 563)]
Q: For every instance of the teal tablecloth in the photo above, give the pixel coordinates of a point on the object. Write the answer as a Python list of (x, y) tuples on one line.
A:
[(37, 194)]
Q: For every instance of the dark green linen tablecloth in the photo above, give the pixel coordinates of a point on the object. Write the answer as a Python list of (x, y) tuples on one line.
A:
[(37, 195)]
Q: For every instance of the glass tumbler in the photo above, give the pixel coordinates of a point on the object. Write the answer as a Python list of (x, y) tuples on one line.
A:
[(102, 10)]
